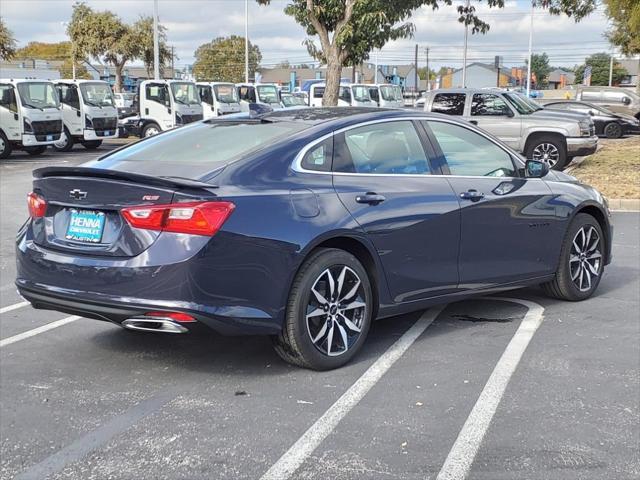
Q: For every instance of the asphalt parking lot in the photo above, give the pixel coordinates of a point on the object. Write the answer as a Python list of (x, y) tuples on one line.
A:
[(489, 389)]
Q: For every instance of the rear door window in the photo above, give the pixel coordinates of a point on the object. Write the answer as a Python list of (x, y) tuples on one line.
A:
[(449, 103), (389, 148), (486, 104)]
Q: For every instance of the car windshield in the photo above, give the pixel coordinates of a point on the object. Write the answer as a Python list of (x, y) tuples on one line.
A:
[(197, 149), (521, 104), (226, 93), (185, 93), (391, 93), (268, 94), (292, 101), (360, 93), (38, 95), (97, 94)]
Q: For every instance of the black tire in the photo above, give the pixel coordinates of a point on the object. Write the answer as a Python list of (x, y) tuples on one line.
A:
[(149, 128), (36, 150), (295, 344), (539, 144), (563, 286), (613, 130), (91, 144), (5, 146), (66, 146)]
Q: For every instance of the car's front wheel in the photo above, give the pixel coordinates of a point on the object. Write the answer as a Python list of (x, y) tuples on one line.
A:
[(328, 313), (581, 261)]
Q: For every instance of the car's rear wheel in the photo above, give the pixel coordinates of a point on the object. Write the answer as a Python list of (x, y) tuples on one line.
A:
[(91, 144), (613, 130), (36, 150), (548, 149), (5, 146), (65, 142), (328, 313), (581, 261)]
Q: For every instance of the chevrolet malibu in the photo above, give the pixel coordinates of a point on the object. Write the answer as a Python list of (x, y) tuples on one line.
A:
[(305, 225)]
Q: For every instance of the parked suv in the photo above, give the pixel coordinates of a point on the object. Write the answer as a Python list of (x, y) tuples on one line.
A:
[(618, 100), (550, 138)]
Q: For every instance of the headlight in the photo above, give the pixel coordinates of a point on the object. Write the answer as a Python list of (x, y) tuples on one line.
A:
[(585, 128), (26, 125), (178, 119), (87, 122)]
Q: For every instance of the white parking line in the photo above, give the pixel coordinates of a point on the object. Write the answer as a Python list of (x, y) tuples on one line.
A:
[(15, 306), (465, 448), (37, 331), (313, 437)]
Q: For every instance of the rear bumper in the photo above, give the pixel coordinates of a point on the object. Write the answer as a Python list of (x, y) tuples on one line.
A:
[(582, 146), (223, 320)]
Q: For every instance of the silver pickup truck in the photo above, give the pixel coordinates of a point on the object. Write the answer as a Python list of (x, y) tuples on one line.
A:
[(548, 137)]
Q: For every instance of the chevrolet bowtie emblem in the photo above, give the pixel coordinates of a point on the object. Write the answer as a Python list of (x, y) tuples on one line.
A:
[(77, 194)]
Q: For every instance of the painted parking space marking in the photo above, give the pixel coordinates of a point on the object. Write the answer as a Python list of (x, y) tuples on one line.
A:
[(98, 437), (313, 437), (36, 331), (464, 450), (15, 306)]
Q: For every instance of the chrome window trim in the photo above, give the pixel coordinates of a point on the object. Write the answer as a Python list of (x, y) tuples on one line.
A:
[(296, 165)]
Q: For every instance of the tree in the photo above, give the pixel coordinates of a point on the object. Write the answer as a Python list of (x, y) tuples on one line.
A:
[(54, 51), (540, 67), (7, 42), (599, 63), (104, 35), (349, 29), (222, 59), (624, 16), (144, 27)]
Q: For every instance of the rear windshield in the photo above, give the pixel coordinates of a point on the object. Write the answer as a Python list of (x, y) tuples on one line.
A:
[(194, 150)]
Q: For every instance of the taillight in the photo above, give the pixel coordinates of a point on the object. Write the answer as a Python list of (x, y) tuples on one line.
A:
[(37, 205), (196, 218)]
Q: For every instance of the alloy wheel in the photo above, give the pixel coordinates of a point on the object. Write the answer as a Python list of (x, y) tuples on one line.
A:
[(336, 310), (547, 153), (585, 259)]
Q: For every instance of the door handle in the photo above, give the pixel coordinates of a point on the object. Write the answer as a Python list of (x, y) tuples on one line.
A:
[(475, 122), (472, 195), (371, 198)]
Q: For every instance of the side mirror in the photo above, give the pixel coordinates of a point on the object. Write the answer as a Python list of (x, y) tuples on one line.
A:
[(509, 113), (535, 169), (592, 113)]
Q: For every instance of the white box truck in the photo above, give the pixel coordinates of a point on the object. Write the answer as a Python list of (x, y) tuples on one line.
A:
[(165, 104), (89, 113), (30, 116), (218, 98), (262, 93)]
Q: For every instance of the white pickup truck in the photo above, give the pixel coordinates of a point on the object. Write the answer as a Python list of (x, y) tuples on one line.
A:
[(30, 116), (551, 138)]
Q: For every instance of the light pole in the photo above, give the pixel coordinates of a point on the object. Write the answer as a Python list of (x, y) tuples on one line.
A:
[(464, 53), (428, 74), (246, 41), (156, 43), (530, 51), (73, 52), (611, 70)]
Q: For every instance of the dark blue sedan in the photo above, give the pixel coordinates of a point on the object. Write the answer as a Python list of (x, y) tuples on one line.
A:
[(305, 225)]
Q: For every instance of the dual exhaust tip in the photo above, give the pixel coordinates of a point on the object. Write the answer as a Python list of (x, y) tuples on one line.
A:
[(161, 322)]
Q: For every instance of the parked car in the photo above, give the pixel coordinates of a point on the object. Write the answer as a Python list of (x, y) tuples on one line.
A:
[(618, 100), (608, 124), (305, 224), (553, 139)]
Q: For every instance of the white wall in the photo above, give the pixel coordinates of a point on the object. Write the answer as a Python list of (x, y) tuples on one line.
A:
[(477, 77)]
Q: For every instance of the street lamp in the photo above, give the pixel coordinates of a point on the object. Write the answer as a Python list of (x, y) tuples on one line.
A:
[(246, 41)]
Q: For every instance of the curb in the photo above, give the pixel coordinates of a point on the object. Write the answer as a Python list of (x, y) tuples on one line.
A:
[(624, 204)]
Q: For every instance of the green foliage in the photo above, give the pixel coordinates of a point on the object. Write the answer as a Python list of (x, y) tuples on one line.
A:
[(7, 42), (625, 25), (599, 63), (222, 60), (144, 27), (540, 67), (104, 35), (422, 73), (54, 51)]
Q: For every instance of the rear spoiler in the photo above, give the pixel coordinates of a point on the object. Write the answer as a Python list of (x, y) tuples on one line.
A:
[(172, 182)]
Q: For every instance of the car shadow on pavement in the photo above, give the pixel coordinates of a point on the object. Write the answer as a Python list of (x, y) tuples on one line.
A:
[(209, 352)]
